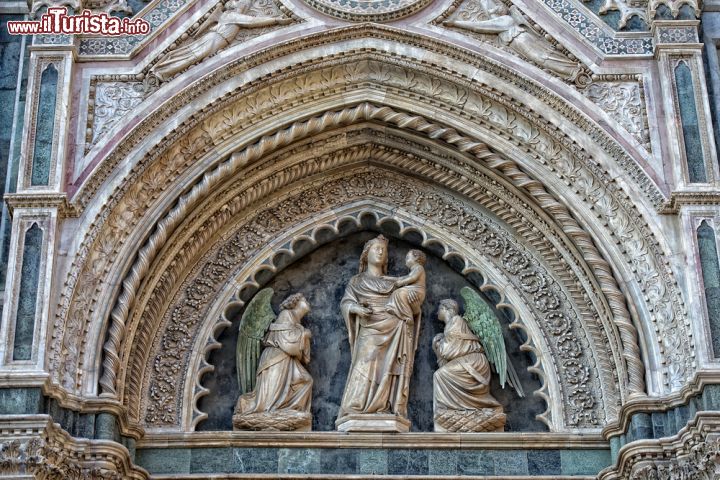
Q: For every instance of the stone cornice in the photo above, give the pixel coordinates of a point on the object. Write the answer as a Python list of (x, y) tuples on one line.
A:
[(503, 441), (642, 458), (41, 200), (94, 405), (34, 444), (661, 404), (682, 199)]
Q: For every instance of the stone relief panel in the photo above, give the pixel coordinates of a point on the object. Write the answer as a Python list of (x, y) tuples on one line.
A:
[(507, 27), (113, 100), (235, 21), (584, 409), (624, 102), (321, 275), (589, 26), (492, 111)]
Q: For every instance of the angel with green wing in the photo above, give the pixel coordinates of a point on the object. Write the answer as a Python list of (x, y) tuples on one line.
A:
[(468, 351), (276, 387)]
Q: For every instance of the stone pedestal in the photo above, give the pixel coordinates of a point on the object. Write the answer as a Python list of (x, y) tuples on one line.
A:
[(373, 422), (481, 420), (278, 420)]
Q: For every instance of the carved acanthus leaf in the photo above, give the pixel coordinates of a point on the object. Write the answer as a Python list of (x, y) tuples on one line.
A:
[(114, 100), (623, 102)]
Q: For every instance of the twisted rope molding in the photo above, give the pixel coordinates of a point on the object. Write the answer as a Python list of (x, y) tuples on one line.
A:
[(130, 383), (199, 238), (365, 112), (62, 323)]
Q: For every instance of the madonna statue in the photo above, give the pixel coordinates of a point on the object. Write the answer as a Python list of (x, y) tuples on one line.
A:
[(383, 337)]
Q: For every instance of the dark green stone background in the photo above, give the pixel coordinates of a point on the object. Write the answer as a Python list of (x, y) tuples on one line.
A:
[(322, 276)]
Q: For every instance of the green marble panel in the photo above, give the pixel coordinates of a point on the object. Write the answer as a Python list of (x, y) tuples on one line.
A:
[(164, 460), (710, 265), (584, 462), (45, 126), (476, 462), (543, 462), (373, 462), (27, 297), (690, 124), (298, 460), (511, 462), (442, 462), (255, 460), (209, 460), (17, 401)]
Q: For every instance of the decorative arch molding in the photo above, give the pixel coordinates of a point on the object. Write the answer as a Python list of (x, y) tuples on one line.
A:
[(533, 141), (270, 221), (224, 81), (287, 165)]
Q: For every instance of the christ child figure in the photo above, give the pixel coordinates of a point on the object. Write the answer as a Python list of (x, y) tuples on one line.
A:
[(409, 294)]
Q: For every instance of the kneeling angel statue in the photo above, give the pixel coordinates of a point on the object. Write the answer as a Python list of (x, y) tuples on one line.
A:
[(276, 387), (467, 349)]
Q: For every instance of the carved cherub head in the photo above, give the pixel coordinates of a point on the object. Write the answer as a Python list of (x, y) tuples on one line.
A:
[(415, 257)]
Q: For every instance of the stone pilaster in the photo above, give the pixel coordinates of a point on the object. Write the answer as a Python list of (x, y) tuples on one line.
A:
[(37, 209), (691, 146)]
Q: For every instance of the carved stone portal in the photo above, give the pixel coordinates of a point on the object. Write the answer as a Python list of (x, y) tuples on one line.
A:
[(277, 390)]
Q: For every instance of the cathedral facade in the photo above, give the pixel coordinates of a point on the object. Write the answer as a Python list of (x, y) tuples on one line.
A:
[(360, 238)]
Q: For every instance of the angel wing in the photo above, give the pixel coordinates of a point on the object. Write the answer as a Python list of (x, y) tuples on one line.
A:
[(254, 323), (482, 321)]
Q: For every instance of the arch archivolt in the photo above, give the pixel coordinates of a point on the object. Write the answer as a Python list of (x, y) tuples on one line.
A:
[(301, 162), (481, 240), (343, 220), (276, 110)]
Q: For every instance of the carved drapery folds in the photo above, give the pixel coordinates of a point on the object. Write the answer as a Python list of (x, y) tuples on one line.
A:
[(150, 182), (218, 31)]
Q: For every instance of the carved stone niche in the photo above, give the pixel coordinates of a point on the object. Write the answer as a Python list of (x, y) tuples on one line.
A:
[(321, 275)]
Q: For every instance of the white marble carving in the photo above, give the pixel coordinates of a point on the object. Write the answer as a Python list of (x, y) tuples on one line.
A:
[(113, 100), (622, 101)]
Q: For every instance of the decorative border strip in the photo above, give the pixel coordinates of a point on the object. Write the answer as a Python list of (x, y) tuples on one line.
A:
[(589, 28)]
